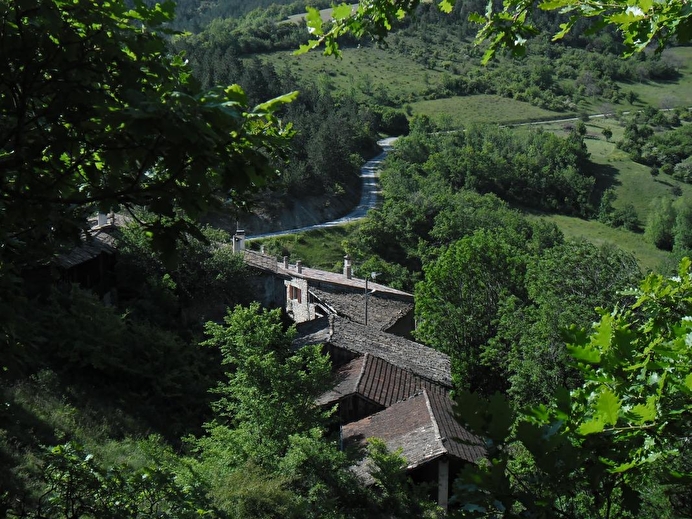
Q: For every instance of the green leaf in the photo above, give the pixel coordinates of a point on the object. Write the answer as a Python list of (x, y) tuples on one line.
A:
[(624, 467), (646, 413), (273, 104), (688, 381), (476, 18), (608, 407), (446, 6), (341, 12), (550, 5), (307, 47), (591, 427), (314, 21), (626, 18), (584, 353)]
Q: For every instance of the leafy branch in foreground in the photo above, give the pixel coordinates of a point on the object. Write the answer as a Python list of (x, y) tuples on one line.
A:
[(595, 451), (641, 22), (96, 113)]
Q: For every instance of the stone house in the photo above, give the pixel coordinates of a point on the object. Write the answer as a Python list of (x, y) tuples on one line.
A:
[(385, 385), (389, 387)]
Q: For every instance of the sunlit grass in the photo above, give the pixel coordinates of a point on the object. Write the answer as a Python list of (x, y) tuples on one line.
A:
[(454, 112), (648, 256), (321, 248)]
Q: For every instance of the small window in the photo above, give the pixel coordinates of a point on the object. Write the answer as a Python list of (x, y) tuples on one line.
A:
[(294, 293)]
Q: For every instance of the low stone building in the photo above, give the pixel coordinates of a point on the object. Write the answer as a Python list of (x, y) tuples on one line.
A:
[(422, 426), (397, 390), (385, 385)]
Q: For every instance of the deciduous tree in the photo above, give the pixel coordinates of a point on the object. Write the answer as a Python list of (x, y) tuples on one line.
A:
[(97, 114), (600, 450)]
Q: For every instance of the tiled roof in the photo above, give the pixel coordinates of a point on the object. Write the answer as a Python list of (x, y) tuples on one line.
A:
[(383, 311), (457, 441), (407, 355), (346, 381), (378, 381), (416, 425)]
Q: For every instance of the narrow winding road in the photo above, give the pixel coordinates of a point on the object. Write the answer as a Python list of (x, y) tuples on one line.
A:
[(370, 195), (371, 191)]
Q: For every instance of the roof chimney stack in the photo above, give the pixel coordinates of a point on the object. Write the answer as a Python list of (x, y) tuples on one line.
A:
[(101, 219), (347, 266), (299, 266), (239, 241)]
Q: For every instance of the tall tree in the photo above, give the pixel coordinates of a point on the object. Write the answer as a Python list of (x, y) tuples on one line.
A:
[(457, 304), (608, 447), (97, 114), (271, 388)]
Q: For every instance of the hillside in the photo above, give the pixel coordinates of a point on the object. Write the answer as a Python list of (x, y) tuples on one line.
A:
[(142, 378)]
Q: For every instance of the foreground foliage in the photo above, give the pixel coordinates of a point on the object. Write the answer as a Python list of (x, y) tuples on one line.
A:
[(641, 22), (611, 447)]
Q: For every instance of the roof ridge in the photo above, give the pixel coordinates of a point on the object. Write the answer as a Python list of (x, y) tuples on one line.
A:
[(433, 420), (362, 371)]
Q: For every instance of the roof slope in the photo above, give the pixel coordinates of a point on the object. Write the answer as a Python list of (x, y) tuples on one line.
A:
[(418, 426), (378, 381), (402, 353), (95, 243), (383, 311)]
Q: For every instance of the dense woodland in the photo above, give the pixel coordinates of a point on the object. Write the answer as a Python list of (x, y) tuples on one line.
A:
[(184, 398)]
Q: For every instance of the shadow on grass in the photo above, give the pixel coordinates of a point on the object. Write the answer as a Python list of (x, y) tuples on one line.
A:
[(606, 177)]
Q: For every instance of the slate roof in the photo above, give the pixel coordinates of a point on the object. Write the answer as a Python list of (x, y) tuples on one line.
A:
[(318, 277), (98, 242), (407, 355), (421, 426), (383, 311)]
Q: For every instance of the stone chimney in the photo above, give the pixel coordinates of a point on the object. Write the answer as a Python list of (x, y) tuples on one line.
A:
[(101, 219), (347, 266), (239, 241), (286, 262), (299, 266)]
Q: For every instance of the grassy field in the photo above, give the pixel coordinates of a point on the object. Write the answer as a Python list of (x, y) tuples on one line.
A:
[(454, 112), (364, 71), (648, 256), (633, 184), (667, 94), (371, 71), (316, 249)]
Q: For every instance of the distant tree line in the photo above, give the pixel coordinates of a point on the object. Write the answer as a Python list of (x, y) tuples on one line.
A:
[(666, 152)]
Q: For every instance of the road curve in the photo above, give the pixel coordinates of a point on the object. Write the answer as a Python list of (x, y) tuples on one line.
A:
[(369, 174)]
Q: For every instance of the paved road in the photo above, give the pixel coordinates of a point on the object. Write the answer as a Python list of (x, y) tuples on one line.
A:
[(369, 198), (370, 173)]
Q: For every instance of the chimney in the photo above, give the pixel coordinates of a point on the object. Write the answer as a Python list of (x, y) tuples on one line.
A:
[(261, 249), (347, 266), (101, 219), (239, 241), (286, 262), (299, 266)]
